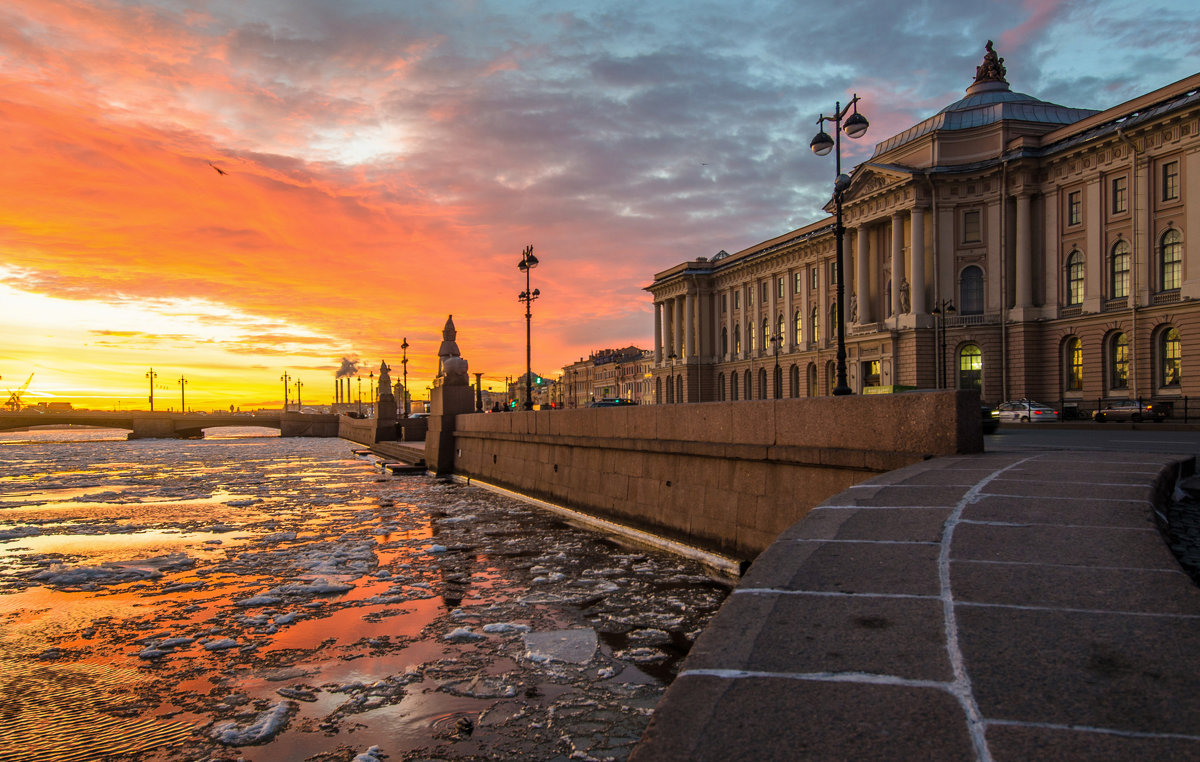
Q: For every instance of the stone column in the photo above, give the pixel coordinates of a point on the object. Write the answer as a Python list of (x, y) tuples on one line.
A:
[(862, 272), (658, 336), (689, 324), (916, 261), (1024, 266), (897, 256), (669, 325), (677, 344)]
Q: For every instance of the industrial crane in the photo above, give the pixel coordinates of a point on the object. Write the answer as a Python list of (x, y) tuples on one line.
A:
[(14, 398)]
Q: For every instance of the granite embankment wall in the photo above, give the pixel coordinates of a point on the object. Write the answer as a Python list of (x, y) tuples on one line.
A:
[(726, 476)]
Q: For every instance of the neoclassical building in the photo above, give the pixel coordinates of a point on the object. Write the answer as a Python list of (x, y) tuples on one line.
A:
[(1006, 243)]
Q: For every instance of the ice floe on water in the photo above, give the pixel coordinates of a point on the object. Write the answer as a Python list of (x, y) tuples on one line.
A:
[(341, 613)]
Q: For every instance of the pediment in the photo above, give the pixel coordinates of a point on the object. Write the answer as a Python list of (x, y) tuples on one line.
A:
[(871, 180)]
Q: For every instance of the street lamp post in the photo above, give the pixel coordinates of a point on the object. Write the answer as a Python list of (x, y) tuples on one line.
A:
[(944, 307), (855, 126), (478, 392), (404, 363), (360, 396), (151, 375), (371, 396), (182, 404), (298, 403), (527, 263), (776, 340), (286, 379)]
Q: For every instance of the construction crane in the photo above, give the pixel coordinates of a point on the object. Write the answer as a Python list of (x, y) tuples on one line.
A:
[(14, 398)]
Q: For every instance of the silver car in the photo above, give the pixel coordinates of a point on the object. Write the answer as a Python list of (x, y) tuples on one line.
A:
[(1025, 411)]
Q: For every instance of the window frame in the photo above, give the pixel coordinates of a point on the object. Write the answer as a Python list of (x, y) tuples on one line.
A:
[(972, 227), (1119, 276), (1074, 208), (1073, 364), (976, 371), (967, 305), (1073, 280), (1175, 264), (1169, 181), (1118, 361), (1118, 191), (1170, 355)]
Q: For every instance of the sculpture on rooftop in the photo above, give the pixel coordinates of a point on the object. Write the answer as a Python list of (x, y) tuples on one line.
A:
[(992, 69)]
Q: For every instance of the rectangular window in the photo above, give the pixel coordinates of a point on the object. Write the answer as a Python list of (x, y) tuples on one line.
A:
[(816, 279), (737, 300), (749, 297), (724, 303), (764, 293), (799, 282), (1119, 198), (870, 373), (1075, 208), (780, 289), (833, 273), (972, 231), (1170, 181)]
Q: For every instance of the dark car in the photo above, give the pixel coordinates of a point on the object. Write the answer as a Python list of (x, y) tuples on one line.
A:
[(1128, 410), (607, 402), (990, 419)]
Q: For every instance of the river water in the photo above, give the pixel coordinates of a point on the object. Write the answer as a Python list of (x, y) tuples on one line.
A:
[(257, 598)]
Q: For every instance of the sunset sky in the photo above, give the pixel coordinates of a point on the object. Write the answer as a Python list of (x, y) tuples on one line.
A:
[(386, 162)]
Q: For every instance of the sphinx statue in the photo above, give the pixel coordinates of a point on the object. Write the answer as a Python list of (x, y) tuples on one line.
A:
[(453, 368)]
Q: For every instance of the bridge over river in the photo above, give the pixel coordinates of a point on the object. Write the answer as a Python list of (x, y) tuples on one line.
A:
[(141, 424)]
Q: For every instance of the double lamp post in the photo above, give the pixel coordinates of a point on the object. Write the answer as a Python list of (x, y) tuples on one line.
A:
[(527, 263), (855, 125)]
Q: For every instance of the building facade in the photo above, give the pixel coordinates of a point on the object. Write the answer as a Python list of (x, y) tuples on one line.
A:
[(609, 374), (1006, 243)]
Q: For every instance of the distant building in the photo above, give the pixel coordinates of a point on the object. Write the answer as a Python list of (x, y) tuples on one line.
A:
[(609, 374), (1005, 243)]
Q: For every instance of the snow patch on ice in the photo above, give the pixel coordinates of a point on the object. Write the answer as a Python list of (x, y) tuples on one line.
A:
[(263, 728), (462, 635)]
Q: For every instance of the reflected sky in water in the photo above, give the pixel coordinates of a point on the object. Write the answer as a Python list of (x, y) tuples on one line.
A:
[(166, 599)]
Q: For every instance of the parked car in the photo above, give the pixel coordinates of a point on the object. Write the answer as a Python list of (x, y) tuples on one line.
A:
[(1026, 411), (1128, 410), (990, 419), (611, 402)]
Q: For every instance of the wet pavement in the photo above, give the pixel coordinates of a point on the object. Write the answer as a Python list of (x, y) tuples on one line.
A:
[(268, 599)]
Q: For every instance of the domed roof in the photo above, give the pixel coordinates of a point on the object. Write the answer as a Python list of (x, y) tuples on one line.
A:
[(989, 100)]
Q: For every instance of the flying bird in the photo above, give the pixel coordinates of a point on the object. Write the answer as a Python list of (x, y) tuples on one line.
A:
[(219, 170)]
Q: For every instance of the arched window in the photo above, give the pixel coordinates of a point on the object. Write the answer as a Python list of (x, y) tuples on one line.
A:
[(778, 382), (970, 292), (670, 391), (766, 334), (1118, 285), (1118, 368), (762, 383), (737, 340), (833, 322), (720, 387), (658, 398), (970, 367), (1171, 258), (1073, 364), (733, 390), (750, 337), (830, 377), (814, 326), (779, 334), (1074, 295), (724, 342), (749, 386), (812, 379), (679, 388), (1171, 354), (795, 378), (798, 335)]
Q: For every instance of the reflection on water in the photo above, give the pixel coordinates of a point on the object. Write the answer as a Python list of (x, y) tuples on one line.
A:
[(166, 599)]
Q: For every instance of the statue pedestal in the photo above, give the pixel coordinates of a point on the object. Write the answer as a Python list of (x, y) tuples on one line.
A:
[(445, 402)]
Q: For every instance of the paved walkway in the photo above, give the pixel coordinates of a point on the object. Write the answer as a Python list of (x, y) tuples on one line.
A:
[(992, 607)]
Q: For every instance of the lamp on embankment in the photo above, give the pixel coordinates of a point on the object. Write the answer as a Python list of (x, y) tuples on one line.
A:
[(527, 263), (404, 363), (855, 126), (943, 309), (151, 375), (286, 379)]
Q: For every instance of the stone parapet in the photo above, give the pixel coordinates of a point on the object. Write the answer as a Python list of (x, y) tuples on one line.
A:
[(727, 477)]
